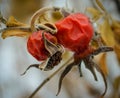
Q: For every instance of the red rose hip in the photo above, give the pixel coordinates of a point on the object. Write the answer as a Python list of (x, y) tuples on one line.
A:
[(74, 32), (36, 47)]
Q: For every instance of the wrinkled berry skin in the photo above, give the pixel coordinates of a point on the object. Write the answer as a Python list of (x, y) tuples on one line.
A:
[(35, 45), (74, 32)]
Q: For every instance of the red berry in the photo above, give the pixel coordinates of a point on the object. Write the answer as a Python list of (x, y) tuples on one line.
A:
[(35, 45), (74, 32)]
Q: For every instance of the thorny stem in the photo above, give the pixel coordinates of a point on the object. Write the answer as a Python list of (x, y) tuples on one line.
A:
[(39, 13), (48, 78)]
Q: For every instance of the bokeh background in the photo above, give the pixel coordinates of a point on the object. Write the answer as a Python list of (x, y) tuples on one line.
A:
[(14, 58)]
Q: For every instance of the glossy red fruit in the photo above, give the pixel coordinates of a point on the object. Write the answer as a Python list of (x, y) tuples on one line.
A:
[(74, 32), (35, 45)]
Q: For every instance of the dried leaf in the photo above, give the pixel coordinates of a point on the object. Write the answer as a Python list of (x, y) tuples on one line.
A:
[(115, 24), (15, 32), (103, 64), (107, 33), (96, 14), (50, 17), (12, 22), (117, 51), (100, 5), (116, 29), (116, 84)]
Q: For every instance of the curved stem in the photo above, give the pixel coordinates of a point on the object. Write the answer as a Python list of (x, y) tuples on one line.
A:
[(39, 13), (48, 78)]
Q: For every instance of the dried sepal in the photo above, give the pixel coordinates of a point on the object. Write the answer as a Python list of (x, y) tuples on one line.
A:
[(51, 47), (64, 73), (33, 65), (47, 26), (55, 52), (90, 66), (102, 49)]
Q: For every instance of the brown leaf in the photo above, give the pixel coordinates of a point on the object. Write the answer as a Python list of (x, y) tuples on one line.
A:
[(103, 64), (116, 29), (56, 16), (96, 14), (51, 17), (115, 24), (12, 22), (117, 51), (116, 83), (15, 32), (107, 33)]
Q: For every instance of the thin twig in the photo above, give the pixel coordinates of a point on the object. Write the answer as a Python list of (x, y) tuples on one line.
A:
[(48, 78)]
